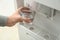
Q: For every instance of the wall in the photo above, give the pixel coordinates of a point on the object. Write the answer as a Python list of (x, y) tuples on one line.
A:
[(7, 7)]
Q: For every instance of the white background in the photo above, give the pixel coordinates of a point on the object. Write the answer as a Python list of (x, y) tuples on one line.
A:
[(7, 7)]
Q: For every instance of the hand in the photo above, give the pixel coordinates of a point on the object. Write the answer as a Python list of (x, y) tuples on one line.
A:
[(26, 10), (15, 17)]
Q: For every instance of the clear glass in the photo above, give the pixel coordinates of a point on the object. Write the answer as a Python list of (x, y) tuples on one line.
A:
[(28, 15)]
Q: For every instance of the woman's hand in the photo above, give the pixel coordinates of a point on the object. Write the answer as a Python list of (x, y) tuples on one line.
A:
[(15, 17)]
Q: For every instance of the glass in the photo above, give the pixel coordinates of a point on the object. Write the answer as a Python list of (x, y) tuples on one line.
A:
[(30, 15)]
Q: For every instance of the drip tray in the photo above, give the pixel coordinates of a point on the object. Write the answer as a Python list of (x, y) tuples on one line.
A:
[(41, 32)]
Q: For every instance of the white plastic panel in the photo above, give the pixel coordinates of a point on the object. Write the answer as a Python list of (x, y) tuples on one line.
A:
[(50, 3), (26, 34)]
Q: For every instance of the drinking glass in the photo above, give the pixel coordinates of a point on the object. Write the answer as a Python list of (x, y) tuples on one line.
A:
[(30, 15)]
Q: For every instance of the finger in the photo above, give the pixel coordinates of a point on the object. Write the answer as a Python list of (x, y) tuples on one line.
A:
[(25, 8), (19, 18), (27, 20), (26, 11)]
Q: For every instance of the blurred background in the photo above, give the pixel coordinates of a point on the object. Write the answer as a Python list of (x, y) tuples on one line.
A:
[(7, 7)]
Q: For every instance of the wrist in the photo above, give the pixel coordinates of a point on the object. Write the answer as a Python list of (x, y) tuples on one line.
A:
[(8, 22)]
